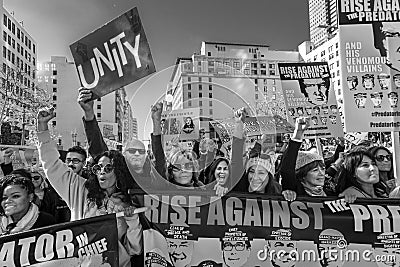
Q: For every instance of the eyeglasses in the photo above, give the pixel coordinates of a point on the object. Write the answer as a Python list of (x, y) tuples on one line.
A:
[(238, 246), (383, 157), (74, 160), (36, 177), (188, 166), (134, 150), (96, 169)]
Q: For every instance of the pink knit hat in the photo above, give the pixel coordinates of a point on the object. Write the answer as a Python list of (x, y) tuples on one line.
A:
[(265, 163), (306, 157)]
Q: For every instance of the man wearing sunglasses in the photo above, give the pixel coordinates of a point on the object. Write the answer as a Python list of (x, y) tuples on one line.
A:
[(135, 153)]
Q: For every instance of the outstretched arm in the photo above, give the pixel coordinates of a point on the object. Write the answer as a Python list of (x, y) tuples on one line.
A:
[(93, 134)]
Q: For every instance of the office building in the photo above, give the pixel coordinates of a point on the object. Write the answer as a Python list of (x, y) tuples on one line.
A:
[(224, 77)]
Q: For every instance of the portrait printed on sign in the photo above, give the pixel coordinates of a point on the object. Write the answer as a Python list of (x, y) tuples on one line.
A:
[(387, 248), (180, 125), (308, 91)]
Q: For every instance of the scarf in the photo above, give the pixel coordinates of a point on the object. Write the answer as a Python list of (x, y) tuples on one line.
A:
[(9, 227), (314, 191)]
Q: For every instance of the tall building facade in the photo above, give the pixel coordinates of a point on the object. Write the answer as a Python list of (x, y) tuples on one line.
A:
[(224, 77), (323, 20), (59, 77), (18, 64)]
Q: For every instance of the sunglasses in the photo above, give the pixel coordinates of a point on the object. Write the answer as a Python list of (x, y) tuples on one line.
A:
[(383, 157), (74, 161), (96, 169), (189, 166), (36, 177), (134, 150)]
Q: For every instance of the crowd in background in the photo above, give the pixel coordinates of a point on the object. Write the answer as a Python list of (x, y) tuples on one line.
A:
[(98, 182)]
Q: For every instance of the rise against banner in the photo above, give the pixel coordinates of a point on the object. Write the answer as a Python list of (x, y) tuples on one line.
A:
[(246, 230)]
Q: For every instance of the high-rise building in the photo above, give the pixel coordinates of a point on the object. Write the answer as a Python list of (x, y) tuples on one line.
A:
[(17, 68), (59, 77), (224, 77), (324, 45), (323, 20)]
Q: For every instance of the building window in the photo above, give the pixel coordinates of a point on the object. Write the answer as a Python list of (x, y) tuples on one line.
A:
[(189, 103), (55, 106), (4, 52), (209, 54), (4, 36), (210, 95), (189, 86), (13, 28), (200, 95), (189, 94), (201, 112), (200, 87), (210, 103), (200, 103), (54, 89), (211, 112), (256, 96), (54, 81), (54, 123), (54, 72), (5, 19), (210, 80), (99, 115), (54, 98), (98, 106)]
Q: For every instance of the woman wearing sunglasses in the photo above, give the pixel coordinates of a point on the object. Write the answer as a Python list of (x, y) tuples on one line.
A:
[(18, 212), (103, 193), (383, 159)]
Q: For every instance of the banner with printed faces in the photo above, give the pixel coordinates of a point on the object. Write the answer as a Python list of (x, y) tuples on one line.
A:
[(308, 92), (88, 242), (370, 64), (114, 55), (261, 230)]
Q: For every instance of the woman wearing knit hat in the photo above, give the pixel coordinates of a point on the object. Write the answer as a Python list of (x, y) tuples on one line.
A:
[(302, 172), (258, 175)]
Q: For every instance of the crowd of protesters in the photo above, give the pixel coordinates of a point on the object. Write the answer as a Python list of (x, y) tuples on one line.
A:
[(98, 183)]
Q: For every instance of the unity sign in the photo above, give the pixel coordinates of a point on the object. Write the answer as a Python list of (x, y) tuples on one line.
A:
[(114, 55)]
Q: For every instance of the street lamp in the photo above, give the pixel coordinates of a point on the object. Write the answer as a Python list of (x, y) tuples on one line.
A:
[(74, 134)]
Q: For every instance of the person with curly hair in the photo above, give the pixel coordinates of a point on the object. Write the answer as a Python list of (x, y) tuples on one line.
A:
[(18, 212), (104, 192)]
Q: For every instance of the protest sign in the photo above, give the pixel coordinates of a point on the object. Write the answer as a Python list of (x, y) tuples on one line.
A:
[(308, 91), (253, 226), (109, 129), (369, 68), (182, 123), (254, 126), (23, 156), (114, 55), (88, 242)]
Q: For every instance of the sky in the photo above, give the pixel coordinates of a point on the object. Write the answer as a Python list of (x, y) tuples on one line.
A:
[(174, 28)]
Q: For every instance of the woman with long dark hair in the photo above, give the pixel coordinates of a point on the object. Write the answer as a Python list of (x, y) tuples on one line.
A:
[(384, 161), (359, 176), (104, 192)]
